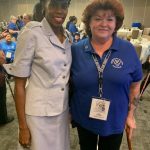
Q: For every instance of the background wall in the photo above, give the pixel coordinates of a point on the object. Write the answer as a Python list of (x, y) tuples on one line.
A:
[(135, 10), (15, 7)]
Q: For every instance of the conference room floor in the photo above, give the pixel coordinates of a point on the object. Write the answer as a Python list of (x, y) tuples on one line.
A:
[(141, 139)]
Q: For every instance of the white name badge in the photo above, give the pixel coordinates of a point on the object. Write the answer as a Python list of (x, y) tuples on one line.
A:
[(8, 55), (99, 109)]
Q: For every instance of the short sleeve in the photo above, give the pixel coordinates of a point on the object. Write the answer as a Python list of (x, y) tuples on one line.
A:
[(137, 73), (24, 54), (11, 26)]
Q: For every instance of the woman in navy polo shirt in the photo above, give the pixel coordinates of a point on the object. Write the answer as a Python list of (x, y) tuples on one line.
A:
[(105, 77)]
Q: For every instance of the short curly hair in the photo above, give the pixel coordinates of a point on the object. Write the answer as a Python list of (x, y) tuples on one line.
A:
[(114, 5)]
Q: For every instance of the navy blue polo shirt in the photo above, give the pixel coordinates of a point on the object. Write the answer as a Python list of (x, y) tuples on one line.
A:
[(13, 26), (72, 28), (122, 69)]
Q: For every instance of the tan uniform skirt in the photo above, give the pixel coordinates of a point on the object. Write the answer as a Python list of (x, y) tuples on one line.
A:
[(49, 132)]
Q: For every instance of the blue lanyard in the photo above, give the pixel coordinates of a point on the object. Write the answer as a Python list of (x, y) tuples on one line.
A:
[(101, 70)]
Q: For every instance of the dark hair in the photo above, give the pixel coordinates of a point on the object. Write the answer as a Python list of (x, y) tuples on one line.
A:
[(96, 5), (72, 18), (38, 13), (64, 3), (39, 10), (61, 1), (77, 33)]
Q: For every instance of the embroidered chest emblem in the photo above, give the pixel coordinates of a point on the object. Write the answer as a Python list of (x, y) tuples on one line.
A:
[(117, 63)]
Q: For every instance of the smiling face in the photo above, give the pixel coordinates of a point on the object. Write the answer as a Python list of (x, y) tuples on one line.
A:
[(102, 25), (56, 13)]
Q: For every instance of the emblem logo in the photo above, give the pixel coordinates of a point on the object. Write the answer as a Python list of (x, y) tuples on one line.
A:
[(117, 63)]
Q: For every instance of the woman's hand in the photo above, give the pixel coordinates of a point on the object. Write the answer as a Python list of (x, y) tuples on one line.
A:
[(130, 126), (133, 97), (25, 137), (24, 133), (4, 33)]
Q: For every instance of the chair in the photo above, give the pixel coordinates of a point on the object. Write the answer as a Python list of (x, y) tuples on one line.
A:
[(146, 31), (144, 84), (146, 37), (138, 49), (122, 35), (135, 34)]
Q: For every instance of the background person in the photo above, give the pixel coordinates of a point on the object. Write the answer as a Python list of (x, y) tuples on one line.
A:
[(104, 92), (3, 34), (13, 28), (43, 56), (27, 18), (19, 22), (4, 118), (72, 25), (8, 46), (68, 23), (81, 29), (76, 37)]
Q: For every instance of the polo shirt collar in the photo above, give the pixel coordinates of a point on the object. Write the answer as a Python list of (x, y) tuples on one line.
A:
[(88, 47), (115, 44)]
